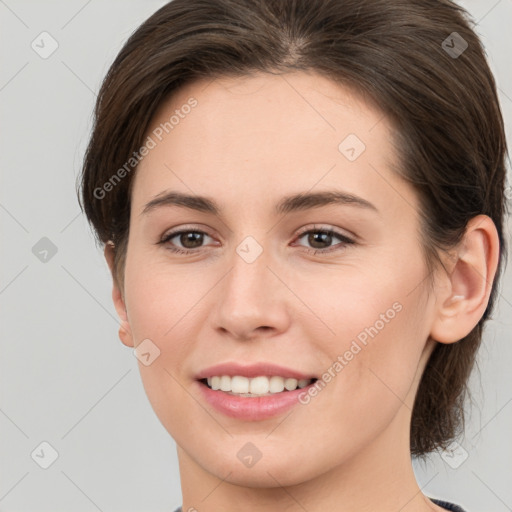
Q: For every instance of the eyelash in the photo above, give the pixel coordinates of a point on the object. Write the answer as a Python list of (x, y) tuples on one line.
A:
[(344, 240)]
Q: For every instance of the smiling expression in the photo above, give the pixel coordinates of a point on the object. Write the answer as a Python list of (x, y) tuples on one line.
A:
[(299, 236)]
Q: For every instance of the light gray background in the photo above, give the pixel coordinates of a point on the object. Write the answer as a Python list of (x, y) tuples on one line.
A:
[(65, 377)]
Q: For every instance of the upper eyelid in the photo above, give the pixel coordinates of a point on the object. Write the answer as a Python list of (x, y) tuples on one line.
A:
[(176, 231), (336, 231)]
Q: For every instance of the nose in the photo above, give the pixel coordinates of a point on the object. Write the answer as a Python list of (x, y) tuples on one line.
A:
[(253, 301)]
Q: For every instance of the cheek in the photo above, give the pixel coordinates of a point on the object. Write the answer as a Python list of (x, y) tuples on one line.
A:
[(371, 361), (157, 297), (160, 308), (371, 328)]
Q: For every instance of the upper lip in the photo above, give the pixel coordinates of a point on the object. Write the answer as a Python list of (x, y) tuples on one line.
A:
[(252, 370)]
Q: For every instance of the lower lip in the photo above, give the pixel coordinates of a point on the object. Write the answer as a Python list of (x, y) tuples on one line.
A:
[(252, 409)]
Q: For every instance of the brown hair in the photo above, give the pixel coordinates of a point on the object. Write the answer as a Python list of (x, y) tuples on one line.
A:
[(402, 54)]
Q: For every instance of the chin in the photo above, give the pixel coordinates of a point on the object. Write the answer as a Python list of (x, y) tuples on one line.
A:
[(277, 468)]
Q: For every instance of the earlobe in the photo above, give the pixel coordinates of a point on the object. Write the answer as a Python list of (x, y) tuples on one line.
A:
[(462, 302), (125, 334), (125, 337)]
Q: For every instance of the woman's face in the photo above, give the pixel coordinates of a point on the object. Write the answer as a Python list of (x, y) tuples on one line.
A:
[(264, 283)]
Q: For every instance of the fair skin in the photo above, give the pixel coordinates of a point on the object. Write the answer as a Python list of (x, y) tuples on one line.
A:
[(247, 144)]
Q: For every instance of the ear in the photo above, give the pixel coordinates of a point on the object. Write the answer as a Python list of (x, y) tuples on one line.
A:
[(125, 333), (464, 292)]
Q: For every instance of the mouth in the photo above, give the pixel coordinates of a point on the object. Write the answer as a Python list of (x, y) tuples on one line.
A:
[(253, 399), (255, 391), (260, 386)]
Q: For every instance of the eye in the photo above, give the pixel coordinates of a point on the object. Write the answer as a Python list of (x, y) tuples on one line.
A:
[(190, 240), (320, 238)]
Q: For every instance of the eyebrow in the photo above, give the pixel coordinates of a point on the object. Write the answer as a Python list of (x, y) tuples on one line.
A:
[(294, 203)]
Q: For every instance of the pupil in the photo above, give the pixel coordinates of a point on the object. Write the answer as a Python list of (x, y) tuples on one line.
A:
[(313, 239), (191, 236)]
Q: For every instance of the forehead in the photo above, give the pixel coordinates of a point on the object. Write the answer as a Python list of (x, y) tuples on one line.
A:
[(300, 104), (263, 134)]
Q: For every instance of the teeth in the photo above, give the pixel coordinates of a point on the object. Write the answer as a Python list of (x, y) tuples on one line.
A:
[(258, 386), (276, 384)]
